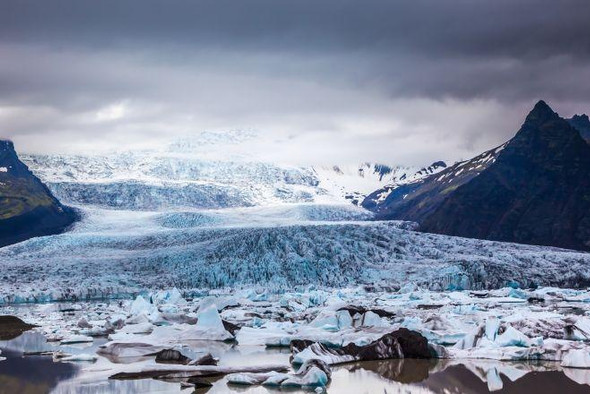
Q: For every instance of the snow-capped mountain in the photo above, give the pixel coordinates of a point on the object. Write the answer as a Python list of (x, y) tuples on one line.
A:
[(206, 172), (405, 200), (534, 189), (355, 182), (172, 177), (168, 230)]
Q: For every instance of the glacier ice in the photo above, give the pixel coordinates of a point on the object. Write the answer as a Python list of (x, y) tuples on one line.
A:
[(112, 254)]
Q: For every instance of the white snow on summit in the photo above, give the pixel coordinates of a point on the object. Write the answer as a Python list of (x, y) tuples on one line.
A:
[(354, 182), (208, 170)]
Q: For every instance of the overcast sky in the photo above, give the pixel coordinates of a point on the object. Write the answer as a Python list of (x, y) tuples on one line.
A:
[(333, 81)]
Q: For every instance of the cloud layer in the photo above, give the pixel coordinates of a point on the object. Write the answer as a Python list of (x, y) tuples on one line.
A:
[(328, 81)]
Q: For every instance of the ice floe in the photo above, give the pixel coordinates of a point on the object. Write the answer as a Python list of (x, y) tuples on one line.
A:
[(477, 329)]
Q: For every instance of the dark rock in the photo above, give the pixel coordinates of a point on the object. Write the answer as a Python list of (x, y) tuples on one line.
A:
[(535, 300), (11, 327), (207, 359), (27, 207), (429, 306), (402, 343), (298, 345), (231, 327), (171, 356), (354, 309)]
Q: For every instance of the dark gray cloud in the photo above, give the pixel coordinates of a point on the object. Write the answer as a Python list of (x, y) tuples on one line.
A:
[(359, 80)]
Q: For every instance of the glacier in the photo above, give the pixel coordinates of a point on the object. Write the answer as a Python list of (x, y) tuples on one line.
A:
[(197, 216), (115, 253)]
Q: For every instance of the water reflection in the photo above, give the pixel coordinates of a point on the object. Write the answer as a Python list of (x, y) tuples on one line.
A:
[(467, 376), (403, 371), (35, 374), (460, 379), (38, 374)]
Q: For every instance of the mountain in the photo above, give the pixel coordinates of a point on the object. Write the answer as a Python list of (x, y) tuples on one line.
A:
[(414, 199), (534, 189), (27, 207), (196, 173), (159, 180), (582, 124), (354, 183)]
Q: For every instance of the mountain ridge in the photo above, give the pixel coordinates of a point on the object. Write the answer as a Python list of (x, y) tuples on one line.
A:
[(27, 207), (536, 190), (582, 124)]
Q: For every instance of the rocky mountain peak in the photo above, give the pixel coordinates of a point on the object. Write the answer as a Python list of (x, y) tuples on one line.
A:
[(582, 124), (541, 113)]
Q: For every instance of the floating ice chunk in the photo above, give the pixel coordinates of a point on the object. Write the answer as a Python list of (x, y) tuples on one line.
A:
[(577, 358), (371, 319), (209, 327), (250, 378), (80, 357), (326, 320), (138, 319), (492, 327), (344, 319), (83, 323), (312, 373), (76, 339), (579, 331), (471, 339), (317, 351), (124, 350), (209, 318), (486, 337), (140, 305), (409, 288), (465, 309), (169, 308), (330, 320), (512, 337), (170, 297), (270, 334), (142, 328), (510, 353), (218, 302)]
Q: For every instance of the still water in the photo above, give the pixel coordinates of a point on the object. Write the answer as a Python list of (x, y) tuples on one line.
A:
[(39, 374)]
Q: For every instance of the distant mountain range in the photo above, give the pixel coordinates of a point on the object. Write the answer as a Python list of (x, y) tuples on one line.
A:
[(27, 207), (354, 182), (181, 175), (533, 189)]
